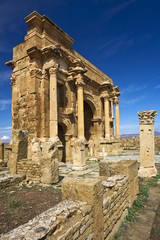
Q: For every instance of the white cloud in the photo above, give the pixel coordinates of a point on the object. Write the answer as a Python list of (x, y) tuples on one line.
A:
[(5, 138), (132, 101), (158, 86), (4, 76), (132, 88), (4, 103), (121, 43)]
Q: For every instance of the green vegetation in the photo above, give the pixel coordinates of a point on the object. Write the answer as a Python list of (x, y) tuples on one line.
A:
[(153, 182), (143, 191), (137, 204), (13, 203), (132, 212)]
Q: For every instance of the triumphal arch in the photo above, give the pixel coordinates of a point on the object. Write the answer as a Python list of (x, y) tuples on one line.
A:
[(58, 95)]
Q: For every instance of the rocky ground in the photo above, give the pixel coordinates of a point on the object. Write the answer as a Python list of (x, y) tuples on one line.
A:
[(23, 202), (19, 204)]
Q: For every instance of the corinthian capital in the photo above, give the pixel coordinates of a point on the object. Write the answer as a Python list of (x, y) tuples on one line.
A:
[(105, 94), (36, 72), (147, 117), (52, 70), (116, 100), (79, 80)]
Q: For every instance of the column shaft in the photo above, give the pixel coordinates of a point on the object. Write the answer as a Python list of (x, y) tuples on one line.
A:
[(117, 119), (106, 115), (80, 111), (53, 103)]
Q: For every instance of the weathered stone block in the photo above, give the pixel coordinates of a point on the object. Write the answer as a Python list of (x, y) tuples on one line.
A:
[(2, 163), (49, 163), (19, 148), (104, 169), (79, 161), (89, 190)]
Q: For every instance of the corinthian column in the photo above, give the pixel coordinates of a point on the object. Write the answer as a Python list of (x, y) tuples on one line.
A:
[(80, 83), (53, 122), (116, 102), (106, 115), (146, 134)]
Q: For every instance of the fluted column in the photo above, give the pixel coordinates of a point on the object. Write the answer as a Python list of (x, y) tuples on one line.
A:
[(116, 102), (53, 123), (106, 116), (80, 103)]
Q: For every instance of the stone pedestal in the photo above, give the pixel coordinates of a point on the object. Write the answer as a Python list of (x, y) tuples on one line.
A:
[(49, 163), (147, 163), (2, 163), (79, 162)]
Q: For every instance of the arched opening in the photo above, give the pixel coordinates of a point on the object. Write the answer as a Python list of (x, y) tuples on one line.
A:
[(88, 123), (61, 135)]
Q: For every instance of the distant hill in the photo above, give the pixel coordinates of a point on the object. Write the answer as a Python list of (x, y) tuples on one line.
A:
[(136, 135)]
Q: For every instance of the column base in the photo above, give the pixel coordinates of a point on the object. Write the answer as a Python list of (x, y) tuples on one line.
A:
[(54, 139), (147, 172), (79, 168)]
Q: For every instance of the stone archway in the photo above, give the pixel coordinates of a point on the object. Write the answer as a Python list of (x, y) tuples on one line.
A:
[(88, 121), (61, 135)]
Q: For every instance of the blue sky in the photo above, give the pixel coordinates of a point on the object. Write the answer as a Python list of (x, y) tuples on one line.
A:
[(121, 38)]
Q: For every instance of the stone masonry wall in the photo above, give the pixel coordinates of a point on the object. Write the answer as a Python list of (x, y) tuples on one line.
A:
[(67, 221), (26, 114), (93, 209), (115, 203), (29, 168), (8, 181)]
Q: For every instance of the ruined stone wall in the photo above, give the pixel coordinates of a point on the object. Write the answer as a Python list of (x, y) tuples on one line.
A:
[(130, 143), (133, 144), (68, 220), (115, 203), (30, 169), (92, 209), (6, 181), (127, 167)]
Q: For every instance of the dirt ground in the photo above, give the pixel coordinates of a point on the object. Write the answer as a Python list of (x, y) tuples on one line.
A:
[(155, 233), (20, 204)]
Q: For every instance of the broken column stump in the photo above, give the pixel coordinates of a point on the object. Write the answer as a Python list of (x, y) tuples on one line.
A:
[(49, 163), (2, 163), (147, 162), (19, 149)]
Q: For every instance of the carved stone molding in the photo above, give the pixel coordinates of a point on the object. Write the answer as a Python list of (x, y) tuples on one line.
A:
[(13, 80), (147, 117), (45, 74), (36, 72)]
